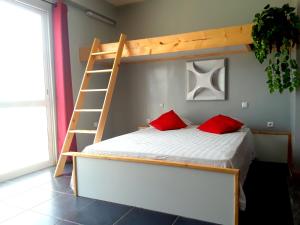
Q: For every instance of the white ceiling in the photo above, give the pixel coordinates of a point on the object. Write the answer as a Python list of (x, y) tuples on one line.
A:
[(123, 2)]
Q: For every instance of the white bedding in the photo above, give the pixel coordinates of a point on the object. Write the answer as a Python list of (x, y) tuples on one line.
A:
[(233, 150)]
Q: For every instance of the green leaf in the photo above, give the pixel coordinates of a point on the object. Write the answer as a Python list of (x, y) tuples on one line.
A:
[(275, 31)]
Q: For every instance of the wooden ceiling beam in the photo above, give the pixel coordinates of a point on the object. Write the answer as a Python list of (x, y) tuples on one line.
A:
[(207, 39)]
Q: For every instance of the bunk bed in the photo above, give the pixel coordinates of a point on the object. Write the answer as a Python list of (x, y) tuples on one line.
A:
[(201, 191)]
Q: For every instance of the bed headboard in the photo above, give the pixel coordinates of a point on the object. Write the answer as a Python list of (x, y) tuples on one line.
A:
[(273, 146)]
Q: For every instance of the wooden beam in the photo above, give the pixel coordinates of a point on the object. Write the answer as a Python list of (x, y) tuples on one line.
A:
[(74, 173), (154, 162), (236, 203), (207, 39), (188, 56)]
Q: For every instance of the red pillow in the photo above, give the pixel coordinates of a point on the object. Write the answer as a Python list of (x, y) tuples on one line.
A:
[(168, 121), (220, 124)]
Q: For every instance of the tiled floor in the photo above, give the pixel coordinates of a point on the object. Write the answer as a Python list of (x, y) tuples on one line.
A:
[(266, 190), (295, 199), (38, 198)]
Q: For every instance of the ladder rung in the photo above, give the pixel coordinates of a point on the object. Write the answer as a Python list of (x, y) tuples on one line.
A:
[(93, 90), (99, 71), (104, 53), (83, 131), (88, 110)]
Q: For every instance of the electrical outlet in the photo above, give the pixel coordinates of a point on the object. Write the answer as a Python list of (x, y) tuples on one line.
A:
[(162, 105), (270, 124)]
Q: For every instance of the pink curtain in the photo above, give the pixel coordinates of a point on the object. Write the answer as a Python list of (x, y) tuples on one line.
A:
[(63, 79)]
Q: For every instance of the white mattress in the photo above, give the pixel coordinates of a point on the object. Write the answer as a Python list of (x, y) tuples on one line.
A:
[(233, 150)]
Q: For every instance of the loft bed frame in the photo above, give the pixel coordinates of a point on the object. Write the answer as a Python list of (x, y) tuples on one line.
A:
[(199, 44), (196, 191)]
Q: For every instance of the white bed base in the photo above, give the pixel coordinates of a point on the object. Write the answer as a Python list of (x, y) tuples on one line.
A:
[(195, 191)]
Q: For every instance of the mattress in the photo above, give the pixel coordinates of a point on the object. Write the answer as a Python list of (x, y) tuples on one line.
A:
[(188, 145)]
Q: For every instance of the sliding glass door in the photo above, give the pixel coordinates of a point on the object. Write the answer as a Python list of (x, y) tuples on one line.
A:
[(26, 100)]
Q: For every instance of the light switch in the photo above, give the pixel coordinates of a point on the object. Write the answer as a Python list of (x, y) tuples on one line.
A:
[(244, 105)]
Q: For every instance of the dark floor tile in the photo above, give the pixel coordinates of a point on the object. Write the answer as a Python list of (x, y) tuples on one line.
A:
[(30, 198), (146, 217), (8, 211), (63, 206), (31, 218), (59, 184), (266, 190), (294, 190), (100, 212), (186, 221)]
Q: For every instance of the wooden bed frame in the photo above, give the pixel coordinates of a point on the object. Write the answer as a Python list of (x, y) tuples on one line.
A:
[(195, 191), (201, 192)]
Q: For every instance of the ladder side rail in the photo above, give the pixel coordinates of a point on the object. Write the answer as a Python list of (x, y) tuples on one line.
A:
[(75, 115), (109, 93)]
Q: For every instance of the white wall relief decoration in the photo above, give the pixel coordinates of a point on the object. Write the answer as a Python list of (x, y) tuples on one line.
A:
[(206, 80)]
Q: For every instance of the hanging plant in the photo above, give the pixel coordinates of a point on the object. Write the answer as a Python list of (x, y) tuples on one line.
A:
[(275, 32)]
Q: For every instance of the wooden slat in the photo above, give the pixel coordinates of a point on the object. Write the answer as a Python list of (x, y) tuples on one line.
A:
[(267, 132), (99, 71), (88, 110), (290, 153), (109, 93), (83, 131), (236, 198), (75, 116), (93, 90), (155, 162), (207, 39), (74, 172), (104, 53)]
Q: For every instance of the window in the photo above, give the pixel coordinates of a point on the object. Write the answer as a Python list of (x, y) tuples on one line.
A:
[(26, 91)]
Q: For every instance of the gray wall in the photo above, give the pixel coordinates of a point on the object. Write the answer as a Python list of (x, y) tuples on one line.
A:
[(141, 88), (148, 85), (82, 31), (162, 17)]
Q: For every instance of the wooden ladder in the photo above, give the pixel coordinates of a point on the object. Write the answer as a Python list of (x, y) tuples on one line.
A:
[(95, 51)]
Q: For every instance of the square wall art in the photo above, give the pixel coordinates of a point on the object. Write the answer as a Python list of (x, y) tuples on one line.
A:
[(206, 80)]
